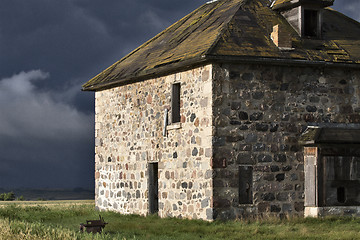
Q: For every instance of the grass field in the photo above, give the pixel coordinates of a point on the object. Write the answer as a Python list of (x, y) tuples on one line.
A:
[(61, 220)]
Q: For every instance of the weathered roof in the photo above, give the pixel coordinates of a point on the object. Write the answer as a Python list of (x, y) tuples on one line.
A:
[(317, 135), (231, 30), (287, 3)]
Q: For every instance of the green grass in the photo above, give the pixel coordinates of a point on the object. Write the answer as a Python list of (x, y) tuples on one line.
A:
[(62, 220)]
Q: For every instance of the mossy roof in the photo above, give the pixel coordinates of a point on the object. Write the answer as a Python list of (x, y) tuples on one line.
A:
[(231, 30)]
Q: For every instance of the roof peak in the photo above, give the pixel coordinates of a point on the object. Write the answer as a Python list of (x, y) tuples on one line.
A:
[(228, 31)]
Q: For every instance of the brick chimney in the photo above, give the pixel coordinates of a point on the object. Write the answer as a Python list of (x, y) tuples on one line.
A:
[(280, 37)]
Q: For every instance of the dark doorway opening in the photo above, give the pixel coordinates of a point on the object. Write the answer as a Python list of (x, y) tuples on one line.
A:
[(153, 188)]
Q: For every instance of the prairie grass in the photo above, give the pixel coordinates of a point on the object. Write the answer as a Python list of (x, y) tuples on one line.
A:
[(56, 221)]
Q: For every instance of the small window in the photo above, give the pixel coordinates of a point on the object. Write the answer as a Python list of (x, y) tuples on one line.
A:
[(175, 103), (311, 23), (245, 184)]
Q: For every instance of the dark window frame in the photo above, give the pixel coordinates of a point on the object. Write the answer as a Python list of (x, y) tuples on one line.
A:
[(175, 102)]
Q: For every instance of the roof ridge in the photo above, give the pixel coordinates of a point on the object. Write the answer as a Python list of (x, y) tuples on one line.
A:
[(241, 2)]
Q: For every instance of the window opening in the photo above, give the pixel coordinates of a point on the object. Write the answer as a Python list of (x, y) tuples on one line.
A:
[(245, 184), (175, 103), (310, 23)]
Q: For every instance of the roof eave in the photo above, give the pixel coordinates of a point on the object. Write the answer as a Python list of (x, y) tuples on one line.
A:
[(153, 73), (280, 61), (198, 61)]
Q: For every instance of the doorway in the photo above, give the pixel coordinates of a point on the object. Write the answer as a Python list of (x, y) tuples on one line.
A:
[(153, 188)]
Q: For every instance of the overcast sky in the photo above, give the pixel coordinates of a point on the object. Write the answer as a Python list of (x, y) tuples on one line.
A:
[(48, 49)]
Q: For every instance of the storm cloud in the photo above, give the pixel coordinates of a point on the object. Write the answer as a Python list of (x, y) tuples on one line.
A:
[(41, 134), (48, 49), (37, 114)]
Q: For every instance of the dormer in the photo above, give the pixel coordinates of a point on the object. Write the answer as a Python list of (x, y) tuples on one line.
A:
[(305, 16)]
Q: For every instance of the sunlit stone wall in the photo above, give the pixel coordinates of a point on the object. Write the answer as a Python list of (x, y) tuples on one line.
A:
[(129, 135)]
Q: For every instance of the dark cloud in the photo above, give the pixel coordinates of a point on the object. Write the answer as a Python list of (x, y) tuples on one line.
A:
[(44, 141), (35, 113), (80, 36), (46, 122)]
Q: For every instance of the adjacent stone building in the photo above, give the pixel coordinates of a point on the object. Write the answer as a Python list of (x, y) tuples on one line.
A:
[(242, 108)]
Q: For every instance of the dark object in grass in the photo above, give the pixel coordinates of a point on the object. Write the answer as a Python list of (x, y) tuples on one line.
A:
[(93, 226)]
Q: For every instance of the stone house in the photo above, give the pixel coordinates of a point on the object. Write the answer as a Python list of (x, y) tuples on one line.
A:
[(242, 108)]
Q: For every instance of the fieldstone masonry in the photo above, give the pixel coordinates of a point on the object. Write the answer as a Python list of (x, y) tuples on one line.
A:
[(235, 118), (129, 136), (259, 113)]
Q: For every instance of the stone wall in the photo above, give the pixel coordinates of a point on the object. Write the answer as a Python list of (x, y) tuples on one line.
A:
[(259, 114), (129, 135), (237, 122)]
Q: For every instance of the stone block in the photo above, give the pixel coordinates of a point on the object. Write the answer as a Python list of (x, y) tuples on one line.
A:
[(232, 139), (311, 108), (299, 206), (280, 177), (243, 116), (205, 203), (287, 168), (268, 197), (263, 207), (245, 158), (275, 208), (259, 147), (235, 105), (282, 196), (256, 116), (258, 95), (245, 147), (274, 168), (280, 158), (251, 138), (264, 158), (269, 177)]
